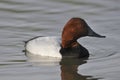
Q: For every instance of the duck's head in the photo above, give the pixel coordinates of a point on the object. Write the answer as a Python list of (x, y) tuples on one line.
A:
[(74, 29)]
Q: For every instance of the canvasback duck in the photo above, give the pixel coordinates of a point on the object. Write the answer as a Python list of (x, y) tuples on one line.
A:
[(67, 45)]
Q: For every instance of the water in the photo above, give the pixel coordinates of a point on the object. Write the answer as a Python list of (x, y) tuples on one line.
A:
[(21, 20)]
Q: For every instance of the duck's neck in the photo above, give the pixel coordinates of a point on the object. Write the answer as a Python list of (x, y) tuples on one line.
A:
[(76, 50), (69, 43)]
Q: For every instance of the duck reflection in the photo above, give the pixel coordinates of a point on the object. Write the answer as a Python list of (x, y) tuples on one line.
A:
[(69, 68)]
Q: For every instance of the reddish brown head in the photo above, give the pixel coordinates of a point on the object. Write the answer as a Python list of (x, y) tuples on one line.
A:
[(74, 29)]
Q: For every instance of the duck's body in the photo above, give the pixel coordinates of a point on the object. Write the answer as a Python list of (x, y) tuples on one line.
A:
[(51, 47), (67, 45), (45, 46)]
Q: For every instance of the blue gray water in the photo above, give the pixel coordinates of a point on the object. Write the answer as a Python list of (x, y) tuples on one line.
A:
[(21, 20)]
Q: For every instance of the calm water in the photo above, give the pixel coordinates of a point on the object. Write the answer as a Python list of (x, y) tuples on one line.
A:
[(21, 20)]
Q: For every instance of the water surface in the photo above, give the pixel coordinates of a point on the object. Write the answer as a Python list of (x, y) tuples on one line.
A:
[(21, 20)]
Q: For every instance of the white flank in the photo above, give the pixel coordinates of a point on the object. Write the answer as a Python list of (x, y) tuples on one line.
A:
[(44, 46)]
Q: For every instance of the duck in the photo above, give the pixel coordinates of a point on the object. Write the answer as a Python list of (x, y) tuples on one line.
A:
[(65, 45)]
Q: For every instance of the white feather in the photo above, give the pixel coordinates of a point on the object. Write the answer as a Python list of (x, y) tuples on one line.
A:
[(44, 46)]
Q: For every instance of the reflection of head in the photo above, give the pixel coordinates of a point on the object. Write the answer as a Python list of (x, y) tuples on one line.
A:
[(69, 68)]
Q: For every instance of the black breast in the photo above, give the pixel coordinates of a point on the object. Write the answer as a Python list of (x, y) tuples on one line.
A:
[(78, 51)]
